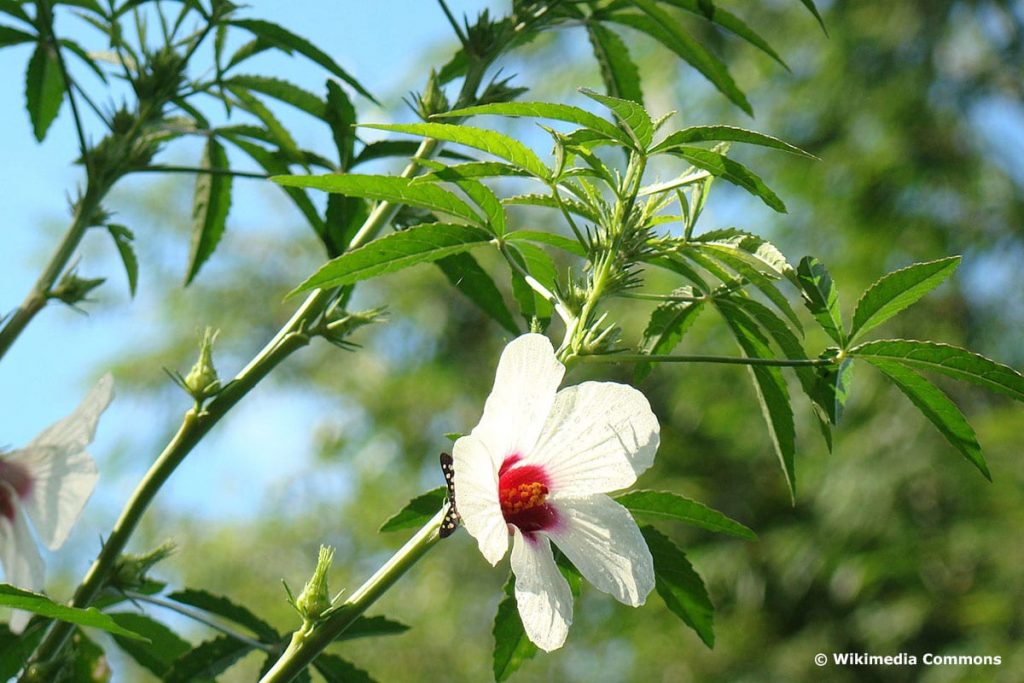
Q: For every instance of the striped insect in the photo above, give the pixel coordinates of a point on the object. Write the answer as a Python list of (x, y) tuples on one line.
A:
[(451, 518)]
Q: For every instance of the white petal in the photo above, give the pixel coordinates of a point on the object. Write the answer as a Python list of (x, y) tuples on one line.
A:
[(76, 431), (524, 388), (476, 497), (62, 482), (598, 438), (542, 593), (23, 566), (600, 537)]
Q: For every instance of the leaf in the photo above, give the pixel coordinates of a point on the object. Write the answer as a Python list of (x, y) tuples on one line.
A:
[(288, 41), (551, 239), (279, 135), (417, 511), (387, 188), (479, 169), (15, 649), (633, 116), (821, 297), (547, 110), (736, 173), (539, 265), (511, 646), (463, 271), (12, 36), (725, 134), (501, 146), (420, 244), (123, 241), (729, 22), (481, 195), (741, 262), (371, 627), (163, 648), (90, 663), (282, 90), (207, 660), (656, 23), (949, 360), (937, 407), (771, 390), (897, 290), (809, 4), (334, 669), (618, 71), (666, 505), (549, 202), (340, 115), (40, 604), (680, 586), (223, 607), (342, 220), (210, 205), (668, 323), (44, 89)]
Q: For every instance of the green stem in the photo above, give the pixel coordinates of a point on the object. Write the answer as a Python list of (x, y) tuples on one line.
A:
[(307, 643), (729, 360)]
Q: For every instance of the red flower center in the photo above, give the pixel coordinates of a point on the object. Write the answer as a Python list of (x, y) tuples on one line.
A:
[(15, 482), (523, 492)]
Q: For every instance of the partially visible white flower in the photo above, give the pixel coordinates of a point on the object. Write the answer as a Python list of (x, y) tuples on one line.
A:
[(50, 481), (536, 469)]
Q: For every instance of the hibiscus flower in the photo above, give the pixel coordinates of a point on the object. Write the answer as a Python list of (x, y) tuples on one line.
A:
[(537, 469), (49, 481)]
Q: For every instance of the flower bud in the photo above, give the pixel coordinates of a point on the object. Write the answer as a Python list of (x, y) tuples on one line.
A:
[(130, 571), (432, 100), (202, 380), (73, 289), (315, 599)]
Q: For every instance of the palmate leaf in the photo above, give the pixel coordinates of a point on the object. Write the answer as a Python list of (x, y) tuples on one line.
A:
[(729, 22), (44, 88), (770, 387), (666, 327), (159, 653), (948, 360), (725, 134), (480, 194), (680, 586), (207, 660), (821, 297), (463, 271), (633, 116), (667, 505), (937, 407), (501, 146), (419, 244), (733, 171), (740, 263), (546, 110), (618, 70), (897, 290), (511, 646), (37, 603), (282, 90), (659, 25), (210, 205)]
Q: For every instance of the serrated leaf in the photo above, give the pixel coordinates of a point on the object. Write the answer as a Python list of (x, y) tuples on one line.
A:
[(741, 262), (729, 22), (948, 360), (282, 90), (479, 169), (334, 669), (340, 115), (463, 271), (279, 135), (15, 649), (417, 511), (163, 648), (897, 290), (501, 146), (539, 265), (207, 660), (734, 172), (725, 134), (667, 505), (549, 202), (656, 23), (821, 297), (564, 243), (665, 329), (937, 407), (387, 188), (511, 646), (44, 89), (288, 41), (633, 116), (618, 71), (210, 205), (770, 386), (372, 627), (419, 244), (37, 603), (123, 241), (12, 36), (342, 220), (680, 586), (546, 110), (223, 607), (480, 194)]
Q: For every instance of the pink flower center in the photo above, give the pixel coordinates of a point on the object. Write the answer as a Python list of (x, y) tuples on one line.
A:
[(523, 492), (15, 482)]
